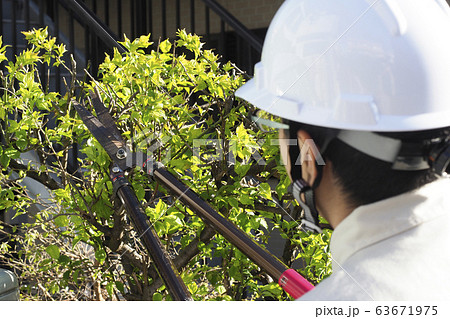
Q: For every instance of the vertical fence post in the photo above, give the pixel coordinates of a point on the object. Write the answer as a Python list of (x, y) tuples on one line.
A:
[(164, 19), (119, 19), (1, 17), (193, 16), (139, 16), (177, 15), (106, 9), (27, 14), (42, 69), (94, 6), (41, 12), (207, 24), (71, 33), (150, 19), (222, 37), (56, 31), (132, 19), (14, 27)]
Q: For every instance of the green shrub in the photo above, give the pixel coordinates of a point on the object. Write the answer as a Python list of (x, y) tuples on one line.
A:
[(78, 243)]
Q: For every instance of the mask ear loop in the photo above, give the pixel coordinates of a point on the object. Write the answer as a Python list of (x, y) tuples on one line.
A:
[(310, 216), (439, 159)]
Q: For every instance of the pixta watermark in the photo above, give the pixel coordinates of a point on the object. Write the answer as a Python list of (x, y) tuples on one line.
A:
[(150, 146), (219, 149)]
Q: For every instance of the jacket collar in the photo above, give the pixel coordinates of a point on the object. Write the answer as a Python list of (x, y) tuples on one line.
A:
[(372, 223)]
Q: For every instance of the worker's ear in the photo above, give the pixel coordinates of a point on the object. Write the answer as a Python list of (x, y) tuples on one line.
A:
[(308, 156)]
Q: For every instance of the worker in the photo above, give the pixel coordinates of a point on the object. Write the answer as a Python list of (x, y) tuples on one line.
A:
[(367, 81)]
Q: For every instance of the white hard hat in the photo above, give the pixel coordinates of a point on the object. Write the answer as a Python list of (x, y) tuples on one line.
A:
[(366, 65)]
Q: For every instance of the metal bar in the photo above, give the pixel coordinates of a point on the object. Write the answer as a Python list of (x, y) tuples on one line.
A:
[(150, 19), (177, 14), (239, 51), (27, 14), (290, 280), (223, 226), (94, 6), (42, 67), (94, 54), (193, 16), (14, 27), (98, 27), (138, 17), (132, 19), (1, 17), (164, 264), (222, 37), (87, 45), (41, 13), (164, 19), (207, 24), (242, 30), (56, 30), (71, 33), (119, 18), (74, 158), (106, 8), (250, 63), (142, 21)]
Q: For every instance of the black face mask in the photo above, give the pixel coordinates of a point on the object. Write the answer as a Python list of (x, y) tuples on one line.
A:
[(310, 216)]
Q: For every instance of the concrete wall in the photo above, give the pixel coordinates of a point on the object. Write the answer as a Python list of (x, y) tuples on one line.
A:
[(254, 14)]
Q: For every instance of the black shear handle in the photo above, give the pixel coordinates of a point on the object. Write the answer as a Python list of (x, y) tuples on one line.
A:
[(164, 265), (291, 281)]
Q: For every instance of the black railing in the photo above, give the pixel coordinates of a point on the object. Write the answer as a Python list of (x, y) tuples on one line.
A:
[(90, 28)]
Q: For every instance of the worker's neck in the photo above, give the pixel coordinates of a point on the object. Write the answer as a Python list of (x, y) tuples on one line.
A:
[(331, 202)]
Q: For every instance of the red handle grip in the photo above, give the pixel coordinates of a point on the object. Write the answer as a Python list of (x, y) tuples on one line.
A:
[(294, 284)]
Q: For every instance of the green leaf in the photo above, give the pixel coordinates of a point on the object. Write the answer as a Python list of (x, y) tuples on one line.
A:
[(4, 160), (242, 169), (12, 153), (100, 255), (265, 190), (160, 208), (120, 286), (282, 186), (165, 46), (63, 259), (53, 251), (245, 199), (221, 289), (61, 221), (172, 223), (110, 288), (75, 275), (235, 272), (157, 296), (233, 202)]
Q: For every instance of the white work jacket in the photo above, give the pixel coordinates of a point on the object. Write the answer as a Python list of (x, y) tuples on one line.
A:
[(395, 249)]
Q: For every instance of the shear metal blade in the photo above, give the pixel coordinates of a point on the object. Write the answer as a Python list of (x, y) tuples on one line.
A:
[(108, 137), (104, 117)]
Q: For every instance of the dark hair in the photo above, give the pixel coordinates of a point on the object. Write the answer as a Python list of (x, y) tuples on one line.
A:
[(363, 178), (366, 180)]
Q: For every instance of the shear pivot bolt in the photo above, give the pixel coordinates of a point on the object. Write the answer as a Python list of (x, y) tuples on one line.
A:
[(115, 169), (121, 154)]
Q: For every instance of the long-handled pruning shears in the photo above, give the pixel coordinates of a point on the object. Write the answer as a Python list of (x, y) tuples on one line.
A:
[(105, 131)]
